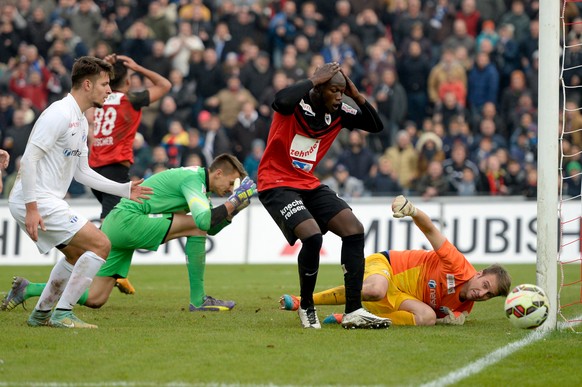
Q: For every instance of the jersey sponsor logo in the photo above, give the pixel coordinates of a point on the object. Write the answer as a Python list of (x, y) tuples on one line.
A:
[(301, 165), (105, 141), (432, 292), (67, 152), (76, 124), (306, 108), (292, 208), (113, 99), (155, 216), (450, 284), (348, 109), (304, 148), (327, 118)]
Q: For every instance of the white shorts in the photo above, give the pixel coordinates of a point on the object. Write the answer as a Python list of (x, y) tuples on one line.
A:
[(60, 221)]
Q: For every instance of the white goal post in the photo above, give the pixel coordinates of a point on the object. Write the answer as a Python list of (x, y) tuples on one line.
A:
[(548, 154)]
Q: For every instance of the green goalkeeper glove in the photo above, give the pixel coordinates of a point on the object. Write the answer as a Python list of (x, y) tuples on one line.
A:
[(450, 318), (402, 207), (242, 193)]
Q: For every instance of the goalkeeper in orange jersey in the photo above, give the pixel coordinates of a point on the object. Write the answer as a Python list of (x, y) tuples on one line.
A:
[(419, 287)]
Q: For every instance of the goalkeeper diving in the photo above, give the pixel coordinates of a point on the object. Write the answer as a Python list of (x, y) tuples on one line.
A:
[(418, 287), (179, 207)]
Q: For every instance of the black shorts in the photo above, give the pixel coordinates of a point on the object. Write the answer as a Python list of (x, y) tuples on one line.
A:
[(115, 172), (289, 207)]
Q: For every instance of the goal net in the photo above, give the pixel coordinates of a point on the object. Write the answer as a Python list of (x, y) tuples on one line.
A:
[(569, 273)]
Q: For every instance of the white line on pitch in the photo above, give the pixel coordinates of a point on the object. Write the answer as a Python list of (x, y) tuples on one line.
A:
[(494, 357)]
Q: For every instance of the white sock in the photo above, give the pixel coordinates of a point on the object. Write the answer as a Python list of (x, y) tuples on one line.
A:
[(85, 269), (56, 284)]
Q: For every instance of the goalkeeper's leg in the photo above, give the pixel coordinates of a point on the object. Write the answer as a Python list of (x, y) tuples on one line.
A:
[(196, 263)]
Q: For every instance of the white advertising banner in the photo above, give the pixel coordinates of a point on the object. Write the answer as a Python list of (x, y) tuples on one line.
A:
[(485, 231)]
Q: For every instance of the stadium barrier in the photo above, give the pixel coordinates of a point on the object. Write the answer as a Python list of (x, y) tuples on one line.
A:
[(487, 230)]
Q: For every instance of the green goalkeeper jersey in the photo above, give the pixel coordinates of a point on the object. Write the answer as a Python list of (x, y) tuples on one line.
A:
[(178, 190)]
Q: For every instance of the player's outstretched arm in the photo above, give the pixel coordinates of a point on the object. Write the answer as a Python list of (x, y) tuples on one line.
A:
[(402, 207)]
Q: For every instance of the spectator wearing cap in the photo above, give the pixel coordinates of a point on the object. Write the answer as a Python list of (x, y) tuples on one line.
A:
[(488, 32), (573, 179), (215, 137)]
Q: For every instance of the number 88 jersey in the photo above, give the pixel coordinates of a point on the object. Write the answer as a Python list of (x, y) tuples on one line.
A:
[(114, 128)]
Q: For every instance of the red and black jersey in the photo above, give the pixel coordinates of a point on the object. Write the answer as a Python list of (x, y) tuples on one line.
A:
[(301, 135), (115, 126)]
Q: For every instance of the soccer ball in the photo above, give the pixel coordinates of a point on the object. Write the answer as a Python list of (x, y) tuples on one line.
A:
[(527, 306)]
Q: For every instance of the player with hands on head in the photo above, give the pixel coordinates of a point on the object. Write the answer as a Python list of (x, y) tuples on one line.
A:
[(179, 207), (56, 153), (419, 287), (114, 128), (308, 117)]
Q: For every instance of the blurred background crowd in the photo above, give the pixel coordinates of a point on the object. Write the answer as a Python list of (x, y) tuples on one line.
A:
[(455, 82)]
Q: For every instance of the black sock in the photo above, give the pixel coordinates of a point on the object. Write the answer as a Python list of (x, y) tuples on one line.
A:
[(308, 264), (352, 260)]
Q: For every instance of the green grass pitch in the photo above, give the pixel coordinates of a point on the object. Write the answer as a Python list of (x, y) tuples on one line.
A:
[(151, 339)]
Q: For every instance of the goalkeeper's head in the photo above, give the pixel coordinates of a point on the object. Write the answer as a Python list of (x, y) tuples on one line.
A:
[(223, 172), (488, 283)]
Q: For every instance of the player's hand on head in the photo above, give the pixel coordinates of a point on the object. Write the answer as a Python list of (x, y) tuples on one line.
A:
[(111, 58), (127, 61), (243, 193), (324, 73), (402, 207), (139, 193), (351, 89)]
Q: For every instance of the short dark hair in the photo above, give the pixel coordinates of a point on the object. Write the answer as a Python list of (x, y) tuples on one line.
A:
[(228, 164), (119, 75), (89, 67), (503, 278)]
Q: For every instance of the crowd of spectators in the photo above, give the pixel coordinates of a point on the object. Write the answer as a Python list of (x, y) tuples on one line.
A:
[(455, 82)]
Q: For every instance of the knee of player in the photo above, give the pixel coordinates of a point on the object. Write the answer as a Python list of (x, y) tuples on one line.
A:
[(373, 292), (426, 317), (102, 247), (95, 304), (315, 241)]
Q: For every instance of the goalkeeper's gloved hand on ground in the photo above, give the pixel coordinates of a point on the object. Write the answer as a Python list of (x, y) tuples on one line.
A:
[(242, 193), (402, 207), (451, 319)]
